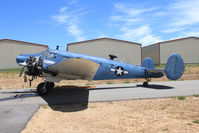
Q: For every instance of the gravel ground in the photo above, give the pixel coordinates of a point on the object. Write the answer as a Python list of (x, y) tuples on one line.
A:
[(143, 116)]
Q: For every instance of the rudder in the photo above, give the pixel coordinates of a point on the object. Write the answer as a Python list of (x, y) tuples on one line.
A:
[(174, 67), (148, 63)]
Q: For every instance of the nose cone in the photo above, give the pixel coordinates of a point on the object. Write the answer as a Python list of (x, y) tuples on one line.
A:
[(21, 60)]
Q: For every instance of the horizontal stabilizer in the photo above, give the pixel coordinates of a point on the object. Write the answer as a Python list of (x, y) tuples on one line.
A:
[(154, 73)]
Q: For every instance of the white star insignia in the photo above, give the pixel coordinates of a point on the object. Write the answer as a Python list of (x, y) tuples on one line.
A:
[(119, 71)]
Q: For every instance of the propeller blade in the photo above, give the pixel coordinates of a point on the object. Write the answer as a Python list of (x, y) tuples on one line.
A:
[(22, 69), (25, 77), (23, 63), (30, 81)]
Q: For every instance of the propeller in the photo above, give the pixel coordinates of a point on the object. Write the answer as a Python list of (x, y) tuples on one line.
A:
[(25, 77), (33, 66), (21, 72)]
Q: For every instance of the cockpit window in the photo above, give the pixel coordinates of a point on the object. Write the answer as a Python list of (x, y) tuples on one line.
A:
[(49, 55)]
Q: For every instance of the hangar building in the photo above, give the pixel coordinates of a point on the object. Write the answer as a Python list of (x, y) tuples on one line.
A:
[(9, 49), (129, 52), (187, 47)]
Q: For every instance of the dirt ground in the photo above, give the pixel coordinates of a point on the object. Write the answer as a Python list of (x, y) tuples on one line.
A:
[(143, 116), (12, 80)]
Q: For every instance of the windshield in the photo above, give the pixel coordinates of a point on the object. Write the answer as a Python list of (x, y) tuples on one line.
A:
[(49, 54)]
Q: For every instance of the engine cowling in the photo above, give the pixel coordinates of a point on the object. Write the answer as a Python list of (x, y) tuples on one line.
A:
[(34, 66)]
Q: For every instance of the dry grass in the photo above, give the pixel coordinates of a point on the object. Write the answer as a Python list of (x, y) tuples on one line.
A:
[(150, 116)]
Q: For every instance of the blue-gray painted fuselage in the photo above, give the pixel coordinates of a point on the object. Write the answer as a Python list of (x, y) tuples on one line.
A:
[(108, 69)]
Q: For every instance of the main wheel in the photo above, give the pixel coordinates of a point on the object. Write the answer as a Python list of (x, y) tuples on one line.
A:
[(145, 84), (43, 89), (52, 85)]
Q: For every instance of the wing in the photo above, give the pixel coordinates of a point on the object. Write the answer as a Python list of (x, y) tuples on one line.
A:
[(154, 73), (75, 68)]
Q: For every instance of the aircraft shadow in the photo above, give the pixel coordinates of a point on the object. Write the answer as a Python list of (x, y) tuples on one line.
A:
[(69, 107), (68, 99), (64, 98), (158, 87), (71, 98)]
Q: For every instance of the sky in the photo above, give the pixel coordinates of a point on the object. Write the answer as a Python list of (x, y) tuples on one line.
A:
[(59, 22)]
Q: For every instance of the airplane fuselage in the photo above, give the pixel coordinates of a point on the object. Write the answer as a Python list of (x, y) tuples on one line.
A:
[(108, 69)]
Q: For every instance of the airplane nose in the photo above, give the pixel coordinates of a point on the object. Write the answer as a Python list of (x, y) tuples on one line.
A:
[(21, 59)]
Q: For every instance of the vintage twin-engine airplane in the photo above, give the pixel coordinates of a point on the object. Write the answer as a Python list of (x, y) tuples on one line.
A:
[(56, 65)]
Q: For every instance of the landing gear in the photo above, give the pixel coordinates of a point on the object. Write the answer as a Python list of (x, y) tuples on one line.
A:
[(44, 88), (51, 85), (145, 84)]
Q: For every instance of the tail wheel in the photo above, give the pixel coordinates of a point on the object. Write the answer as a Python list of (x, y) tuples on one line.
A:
[(145, 84)]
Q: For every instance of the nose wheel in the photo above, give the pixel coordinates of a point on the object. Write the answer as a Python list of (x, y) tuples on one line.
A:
[(44, 88)]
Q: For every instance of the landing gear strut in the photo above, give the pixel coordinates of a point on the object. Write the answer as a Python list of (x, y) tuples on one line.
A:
[(44, 88), (145, 84)]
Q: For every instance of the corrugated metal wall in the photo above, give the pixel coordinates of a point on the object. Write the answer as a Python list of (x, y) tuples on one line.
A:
[(126, 51), (153, 52), (188, 48), (10, 49)]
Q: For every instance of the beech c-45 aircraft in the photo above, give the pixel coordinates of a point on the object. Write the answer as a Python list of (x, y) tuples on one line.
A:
[(57, 65)]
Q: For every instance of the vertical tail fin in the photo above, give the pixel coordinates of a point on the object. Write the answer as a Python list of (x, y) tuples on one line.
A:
[(148, 63), (174, 68)]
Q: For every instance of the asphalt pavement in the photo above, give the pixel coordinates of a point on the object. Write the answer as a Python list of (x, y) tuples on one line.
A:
[(13, 118), (18, 105)]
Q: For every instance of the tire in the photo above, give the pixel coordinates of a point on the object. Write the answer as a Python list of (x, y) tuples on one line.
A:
[(43, 89), (145, 84), (52, 85)]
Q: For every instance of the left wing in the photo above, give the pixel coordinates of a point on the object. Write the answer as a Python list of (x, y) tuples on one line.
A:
[(75, 68)]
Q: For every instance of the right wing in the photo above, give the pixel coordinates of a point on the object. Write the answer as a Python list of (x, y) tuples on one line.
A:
[(75, 68)]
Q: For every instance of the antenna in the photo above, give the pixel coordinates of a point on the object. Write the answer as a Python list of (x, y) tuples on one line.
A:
[(57, 47), (112, 56)]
